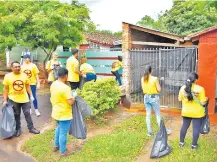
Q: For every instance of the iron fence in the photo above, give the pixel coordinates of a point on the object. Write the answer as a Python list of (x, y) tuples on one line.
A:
[(170, 65)]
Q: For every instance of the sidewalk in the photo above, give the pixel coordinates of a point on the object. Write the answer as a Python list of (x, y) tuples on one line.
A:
[(8, 148)]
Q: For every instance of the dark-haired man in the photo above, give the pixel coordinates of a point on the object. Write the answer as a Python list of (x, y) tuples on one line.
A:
[(62, 100), (16, 90), (72, 66)]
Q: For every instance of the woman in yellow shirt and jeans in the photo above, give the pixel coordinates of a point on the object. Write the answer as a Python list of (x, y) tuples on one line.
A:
[(190, 95), (151, 89)]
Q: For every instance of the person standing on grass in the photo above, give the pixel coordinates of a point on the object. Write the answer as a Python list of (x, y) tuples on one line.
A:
[(87, 70), (116, 66), (72, 65), (151, 88), (51, 65), (192, 97), (32, 72), (16, 90), (62, 100)]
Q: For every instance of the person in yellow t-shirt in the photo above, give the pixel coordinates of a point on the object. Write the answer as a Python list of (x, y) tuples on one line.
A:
[(87, 70), (16, 90), (32, 72), (116, 66), (151, 88), (193, 98), (62, 100), (72, 65), (52, 66)]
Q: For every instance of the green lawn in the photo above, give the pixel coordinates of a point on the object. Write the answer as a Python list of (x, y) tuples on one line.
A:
[(205, 153), (123, 144)]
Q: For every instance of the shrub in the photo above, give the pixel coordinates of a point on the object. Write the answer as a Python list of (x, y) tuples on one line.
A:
[(102, 95)]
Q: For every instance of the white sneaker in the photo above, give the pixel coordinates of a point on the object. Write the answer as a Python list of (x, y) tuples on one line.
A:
[(30, 111), (37, 112)]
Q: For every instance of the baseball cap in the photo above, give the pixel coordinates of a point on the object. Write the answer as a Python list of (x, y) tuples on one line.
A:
[(26, 56)]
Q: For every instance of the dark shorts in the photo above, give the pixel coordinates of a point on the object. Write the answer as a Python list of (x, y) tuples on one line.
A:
[(74, 85)]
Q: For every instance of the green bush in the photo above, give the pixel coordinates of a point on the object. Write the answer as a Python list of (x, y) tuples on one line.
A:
[(2, 57), (102, 95)]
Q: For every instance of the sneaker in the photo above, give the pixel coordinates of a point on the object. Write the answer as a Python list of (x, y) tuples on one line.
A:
[(30, 111), (149, 134), (55, 149), (34, 131), (66, 153), (37, 112), (194, 147), (181, 144)]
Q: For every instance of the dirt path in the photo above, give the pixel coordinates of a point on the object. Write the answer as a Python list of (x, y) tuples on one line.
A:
[(174, 123)]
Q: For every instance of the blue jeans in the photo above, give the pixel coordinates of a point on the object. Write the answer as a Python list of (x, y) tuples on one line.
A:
[(35, 102), (90, 76), (117, 77), (61, 132), (152, 101)]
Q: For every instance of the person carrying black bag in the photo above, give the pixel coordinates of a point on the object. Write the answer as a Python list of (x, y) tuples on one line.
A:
[(193, 98)]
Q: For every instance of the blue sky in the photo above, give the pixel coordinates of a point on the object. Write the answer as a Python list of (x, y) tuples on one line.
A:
[(109, 14)]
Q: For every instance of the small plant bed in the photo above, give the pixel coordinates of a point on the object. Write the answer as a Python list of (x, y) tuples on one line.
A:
[(206, 152), (122, 144)]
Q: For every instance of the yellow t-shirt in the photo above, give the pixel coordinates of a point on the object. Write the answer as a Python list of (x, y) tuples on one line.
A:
[(192, 109), (60, 93), (49, 66), (149, 86), (87, 68), (31, 71), (118, 65), (72, 64), (17, 87)]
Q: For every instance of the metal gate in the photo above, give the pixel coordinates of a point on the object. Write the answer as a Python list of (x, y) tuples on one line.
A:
[(171, 66)]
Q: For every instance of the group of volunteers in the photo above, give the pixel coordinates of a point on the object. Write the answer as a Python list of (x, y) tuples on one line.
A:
[(192, 97), (21, 84)]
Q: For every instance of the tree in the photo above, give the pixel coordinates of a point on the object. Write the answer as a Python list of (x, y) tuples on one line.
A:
[(43, 24), (184, 17)]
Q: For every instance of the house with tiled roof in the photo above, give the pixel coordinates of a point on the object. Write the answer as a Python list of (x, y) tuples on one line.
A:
[(99, 40)]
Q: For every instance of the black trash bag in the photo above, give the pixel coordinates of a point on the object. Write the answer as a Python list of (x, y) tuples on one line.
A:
[(205, 123), (84, 108), (82, 81), (78, 128), (8, 123), (160, 147)]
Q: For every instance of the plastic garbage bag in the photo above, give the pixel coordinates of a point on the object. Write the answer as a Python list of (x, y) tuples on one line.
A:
[(82, 81), (84, 108), (78, 127), (8, 123), (160, 147), (205, 123)]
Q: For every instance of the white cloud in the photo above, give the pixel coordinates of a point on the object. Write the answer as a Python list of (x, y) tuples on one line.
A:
[(110, 13)]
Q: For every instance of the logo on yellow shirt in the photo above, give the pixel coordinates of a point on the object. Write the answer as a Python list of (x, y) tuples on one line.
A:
[(28, 73), (18, 85)]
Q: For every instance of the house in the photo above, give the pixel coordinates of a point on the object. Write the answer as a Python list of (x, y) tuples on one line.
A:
[(99, 40)]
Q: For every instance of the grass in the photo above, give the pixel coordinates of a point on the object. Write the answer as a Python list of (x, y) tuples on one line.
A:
[(1, 88), (205, 153), (123, 144)]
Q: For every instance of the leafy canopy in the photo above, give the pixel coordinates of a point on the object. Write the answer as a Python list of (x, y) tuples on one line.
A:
[(184, 18), (43, 24)]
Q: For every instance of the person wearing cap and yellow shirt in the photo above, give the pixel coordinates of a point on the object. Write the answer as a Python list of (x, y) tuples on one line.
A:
[(151, 88), (51, 65), (193, 98), (32, 72), (116, 66), (72, 65), (87, 70), (16, 90)]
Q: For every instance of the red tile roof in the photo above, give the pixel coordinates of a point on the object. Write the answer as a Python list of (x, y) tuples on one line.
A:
[(101, 38)]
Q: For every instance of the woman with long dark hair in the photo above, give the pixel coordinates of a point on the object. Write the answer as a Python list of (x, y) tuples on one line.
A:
[(151, 89), (193, 98)]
